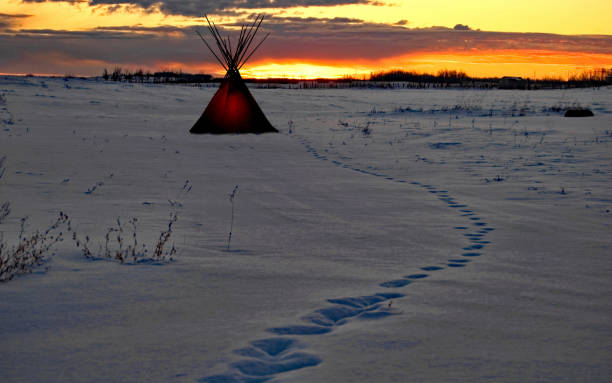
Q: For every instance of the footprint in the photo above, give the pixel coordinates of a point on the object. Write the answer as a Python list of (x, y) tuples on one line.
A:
[(267, 347), (432, 268), (365, 306), (416, 276), (396, 283), (291, 362), (299, 330), (266, 358), (378, 314), (232, 378), (471, 254), (364, 301)]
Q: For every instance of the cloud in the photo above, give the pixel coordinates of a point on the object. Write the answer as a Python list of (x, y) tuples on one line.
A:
[(343, 40), (198, 7), (14, 16), (11, 20)]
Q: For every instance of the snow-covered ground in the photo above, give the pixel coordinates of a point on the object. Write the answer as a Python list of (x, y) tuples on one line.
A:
[(382, 236)]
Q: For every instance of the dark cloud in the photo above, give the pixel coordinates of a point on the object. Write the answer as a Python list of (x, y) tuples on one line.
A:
[(11, 20), (308, 39), (461, 27), (14, 16), (198, 7)]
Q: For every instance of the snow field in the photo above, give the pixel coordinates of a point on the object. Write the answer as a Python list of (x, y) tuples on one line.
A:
[(462, 239)]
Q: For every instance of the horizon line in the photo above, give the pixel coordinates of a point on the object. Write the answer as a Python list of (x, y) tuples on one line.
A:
[(353, 77)]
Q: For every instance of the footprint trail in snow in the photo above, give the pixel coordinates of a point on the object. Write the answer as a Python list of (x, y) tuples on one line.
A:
[(264, 359)]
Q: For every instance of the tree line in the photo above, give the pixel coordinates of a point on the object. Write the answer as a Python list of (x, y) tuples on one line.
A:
[(164, 76), (389, 79)]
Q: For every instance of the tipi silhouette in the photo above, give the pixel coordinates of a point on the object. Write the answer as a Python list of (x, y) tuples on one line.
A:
[(233, 108)]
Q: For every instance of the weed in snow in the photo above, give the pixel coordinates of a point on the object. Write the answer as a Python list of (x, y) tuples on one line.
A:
[(231, 199), (122, 245), (181, 194), (30, 251), (117, 248), (93, 188)]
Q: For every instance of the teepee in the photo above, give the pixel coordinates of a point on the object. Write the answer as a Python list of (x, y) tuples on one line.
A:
[(233, 108)]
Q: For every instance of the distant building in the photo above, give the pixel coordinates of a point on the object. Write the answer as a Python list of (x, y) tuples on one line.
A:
[(509, 82)]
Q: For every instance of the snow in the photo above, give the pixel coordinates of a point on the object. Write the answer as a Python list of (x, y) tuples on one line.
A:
[(504, 202)]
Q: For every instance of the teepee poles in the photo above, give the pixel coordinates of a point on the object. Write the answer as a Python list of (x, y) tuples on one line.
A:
[(253, 51), (212, 51), (233, 58)]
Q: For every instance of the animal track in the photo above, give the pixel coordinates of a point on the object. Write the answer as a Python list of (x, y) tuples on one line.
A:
[(267, 358), (396, 283)]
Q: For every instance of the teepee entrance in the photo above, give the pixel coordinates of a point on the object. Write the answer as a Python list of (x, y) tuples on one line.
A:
[(233, 108)]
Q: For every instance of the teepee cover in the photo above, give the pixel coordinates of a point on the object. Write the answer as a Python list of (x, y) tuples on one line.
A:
[(233, 108)]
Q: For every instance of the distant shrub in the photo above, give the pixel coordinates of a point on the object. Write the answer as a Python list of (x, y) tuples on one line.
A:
[(578, 112)]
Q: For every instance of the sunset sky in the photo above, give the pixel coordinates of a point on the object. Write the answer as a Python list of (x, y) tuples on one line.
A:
[(310, 38)]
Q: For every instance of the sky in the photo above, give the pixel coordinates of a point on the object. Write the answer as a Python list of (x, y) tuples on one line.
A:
[(310, 38)]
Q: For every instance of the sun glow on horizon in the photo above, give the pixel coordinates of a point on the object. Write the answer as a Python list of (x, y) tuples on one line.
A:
[(492, 63), (302, 71)]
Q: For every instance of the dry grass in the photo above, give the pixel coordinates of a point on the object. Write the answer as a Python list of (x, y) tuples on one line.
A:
[(30, 251), (121, 244)]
